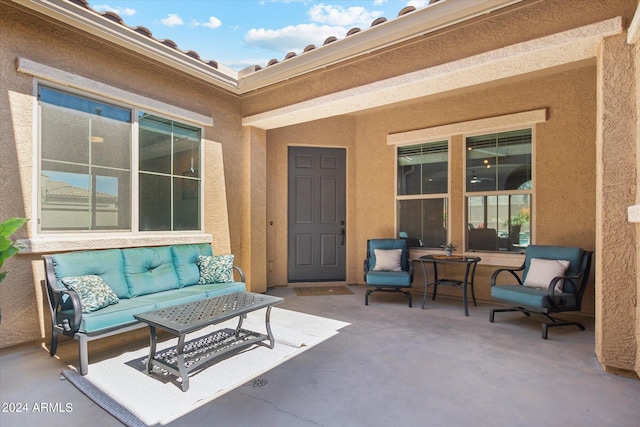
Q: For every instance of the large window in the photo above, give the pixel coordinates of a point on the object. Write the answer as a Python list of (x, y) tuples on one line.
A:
[(422, 193), (499, 191), (87, 172)]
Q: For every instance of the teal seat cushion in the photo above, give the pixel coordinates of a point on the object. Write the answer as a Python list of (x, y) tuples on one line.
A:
[(571, 254), (531, 297), (107, 264), (149, 270), (114, 315), (184, 259), (217, 289), (399, 279), (174, 297)]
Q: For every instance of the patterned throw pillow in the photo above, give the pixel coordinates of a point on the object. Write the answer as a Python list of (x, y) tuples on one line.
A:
[(94, 293), (215, 269)]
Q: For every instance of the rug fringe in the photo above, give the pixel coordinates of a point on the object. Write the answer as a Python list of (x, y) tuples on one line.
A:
[(103, 400)]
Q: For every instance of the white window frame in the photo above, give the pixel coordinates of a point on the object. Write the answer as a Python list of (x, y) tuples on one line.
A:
[(494, 124), (466, 194), (82, 86), (447, 195)]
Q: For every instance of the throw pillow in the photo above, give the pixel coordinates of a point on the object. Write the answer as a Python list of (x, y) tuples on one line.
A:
[(387, 259), (542, 271), (215, 269), (94, 293)]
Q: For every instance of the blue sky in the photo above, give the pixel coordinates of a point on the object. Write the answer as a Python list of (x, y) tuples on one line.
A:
[(239, 33)]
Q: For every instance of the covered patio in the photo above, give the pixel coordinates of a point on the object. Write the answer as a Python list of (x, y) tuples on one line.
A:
[(433, 76), (392, 366)]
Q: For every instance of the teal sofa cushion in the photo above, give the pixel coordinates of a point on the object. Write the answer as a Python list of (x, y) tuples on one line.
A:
[(114, 315), (149, 270), (184, 260), (217, 289), (107, 264), (174, 297)]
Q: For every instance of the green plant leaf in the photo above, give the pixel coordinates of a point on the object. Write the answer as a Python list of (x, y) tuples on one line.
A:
[(10, 226), (2, 276)]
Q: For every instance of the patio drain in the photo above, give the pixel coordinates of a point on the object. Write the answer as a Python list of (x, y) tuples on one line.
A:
[(258, 382)]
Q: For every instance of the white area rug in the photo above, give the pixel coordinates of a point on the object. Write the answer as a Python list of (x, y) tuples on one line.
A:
[(139, 399)]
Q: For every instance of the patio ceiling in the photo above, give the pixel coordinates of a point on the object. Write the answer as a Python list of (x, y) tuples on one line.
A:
[(570, 49)]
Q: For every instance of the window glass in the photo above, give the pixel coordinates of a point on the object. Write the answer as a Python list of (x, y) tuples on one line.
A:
[(499, 191), (85, 170), (500, 161), (423, 221), (423, 169), (422, 192), (169, 175)]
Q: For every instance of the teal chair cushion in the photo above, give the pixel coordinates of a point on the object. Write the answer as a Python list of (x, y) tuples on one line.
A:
[(571, 254), (531, 297), (389, 278)]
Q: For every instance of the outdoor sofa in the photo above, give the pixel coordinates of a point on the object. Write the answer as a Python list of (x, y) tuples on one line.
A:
[(95, 294)]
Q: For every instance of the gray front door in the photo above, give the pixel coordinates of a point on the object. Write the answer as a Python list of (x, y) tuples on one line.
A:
[(317, 214)]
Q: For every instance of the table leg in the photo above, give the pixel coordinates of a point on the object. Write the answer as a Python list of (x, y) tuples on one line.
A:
[(464, 291), (182, 367), (426, 283), (267, 321), (435, 280), (473, 275), (153, 339)]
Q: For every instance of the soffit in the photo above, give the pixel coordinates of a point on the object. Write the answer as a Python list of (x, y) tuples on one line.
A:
[(568, 49)]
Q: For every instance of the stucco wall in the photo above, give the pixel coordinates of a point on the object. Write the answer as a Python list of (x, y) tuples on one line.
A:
[(616, 269), (27, 36)]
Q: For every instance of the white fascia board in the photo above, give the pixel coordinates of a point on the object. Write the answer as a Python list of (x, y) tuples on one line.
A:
[(633, 36), (432, 18), (571, 48), (121, 35)]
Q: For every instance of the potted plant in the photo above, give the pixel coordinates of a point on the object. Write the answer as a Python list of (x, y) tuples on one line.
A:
[(448, 248), (9, 248)]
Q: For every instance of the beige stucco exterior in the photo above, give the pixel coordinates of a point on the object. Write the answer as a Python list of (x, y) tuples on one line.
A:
[(575, 68)]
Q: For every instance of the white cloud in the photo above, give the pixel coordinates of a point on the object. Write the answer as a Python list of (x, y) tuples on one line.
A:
[(172, 20), (293, 38), (212, 23), (338, 15), (122, 11), (418, 3)]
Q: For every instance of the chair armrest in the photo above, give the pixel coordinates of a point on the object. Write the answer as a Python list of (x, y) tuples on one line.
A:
[(365, 268), (577, 282), (62, 298), (240, 272), (551, 290), (495, 274)]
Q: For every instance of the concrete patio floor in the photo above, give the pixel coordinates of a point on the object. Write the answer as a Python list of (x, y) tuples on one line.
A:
[(393, 366)]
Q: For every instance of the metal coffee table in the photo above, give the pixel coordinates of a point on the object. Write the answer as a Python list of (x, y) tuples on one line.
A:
[(182, 319)]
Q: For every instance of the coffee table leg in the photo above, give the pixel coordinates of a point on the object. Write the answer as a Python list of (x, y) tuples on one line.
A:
[(182, 367), (153, 339), (267, 320)]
